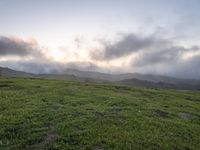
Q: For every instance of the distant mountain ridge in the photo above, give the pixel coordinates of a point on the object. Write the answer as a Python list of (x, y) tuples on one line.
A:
[(117, 77), (131, 79)]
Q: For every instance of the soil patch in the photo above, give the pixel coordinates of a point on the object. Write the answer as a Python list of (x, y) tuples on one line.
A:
[(98, 148), (185, 116), (161, 113), (50, 137)]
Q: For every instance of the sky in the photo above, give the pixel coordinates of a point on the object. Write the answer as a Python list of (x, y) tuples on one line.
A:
[(112, 36)]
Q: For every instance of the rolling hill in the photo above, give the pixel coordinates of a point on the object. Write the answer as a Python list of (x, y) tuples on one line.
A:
[(7, 72)]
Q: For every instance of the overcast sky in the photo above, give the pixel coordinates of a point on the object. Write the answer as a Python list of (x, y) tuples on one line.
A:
[(113, 36)]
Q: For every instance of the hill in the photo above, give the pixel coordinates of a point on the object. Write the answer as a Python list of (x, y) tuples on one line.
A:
[(7, 72)]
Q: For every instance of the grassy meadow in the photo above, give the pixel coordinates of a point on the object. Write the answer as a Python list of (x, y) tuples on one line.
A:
[(51, 114)]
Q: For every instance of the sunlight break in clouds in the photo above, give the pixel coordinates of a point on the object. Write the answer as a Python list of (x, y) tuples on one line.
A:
[(130, 53)]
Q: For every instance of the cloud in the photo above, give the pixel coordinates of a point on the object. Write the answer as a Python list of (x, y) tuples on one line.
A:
[(187, 69), (166, 55), (39, 66), (18, 47), (152, 55), (176, 67), (173, 60), (37, 60), (128, 44)]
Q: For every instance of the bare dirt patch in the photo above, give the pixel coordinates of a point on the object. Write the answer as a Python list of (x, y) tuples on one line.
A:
[(98, 148), (50, 137), (99, 114), (195, 99), (115, 109), (185, 116), (161, 113)]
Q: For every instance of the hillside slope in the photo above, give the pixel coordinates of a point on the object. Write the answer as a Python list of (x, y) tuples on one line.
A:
[(49, 114)]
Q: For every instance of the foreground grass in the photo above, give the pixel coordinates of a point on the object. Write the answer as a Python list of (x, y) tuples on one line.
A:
[(45, 114)]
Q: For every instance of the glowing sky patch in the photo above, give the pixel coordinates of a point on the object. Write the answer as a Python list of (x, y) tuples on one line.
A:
[(108, 35)]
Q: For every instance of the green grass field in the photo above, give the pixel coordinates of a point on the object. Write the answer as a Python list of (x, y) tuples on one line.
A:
[(48, 114)]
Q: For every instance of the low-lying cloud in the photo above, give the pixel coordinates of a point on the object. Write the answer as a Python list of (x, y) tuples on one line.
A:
[(152, 55), (155, 55), (48, 67)]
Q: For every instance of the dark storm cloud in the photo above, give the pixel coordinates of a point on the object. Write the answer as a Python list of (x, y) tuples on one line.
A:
[(128, 44), (17, 47)]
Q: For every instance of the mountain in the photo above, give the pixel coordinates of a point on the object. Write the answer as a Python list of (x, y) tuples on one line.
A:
[(145, 83), (185, 84), (136, 79), (7, 72), (131, 79)]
